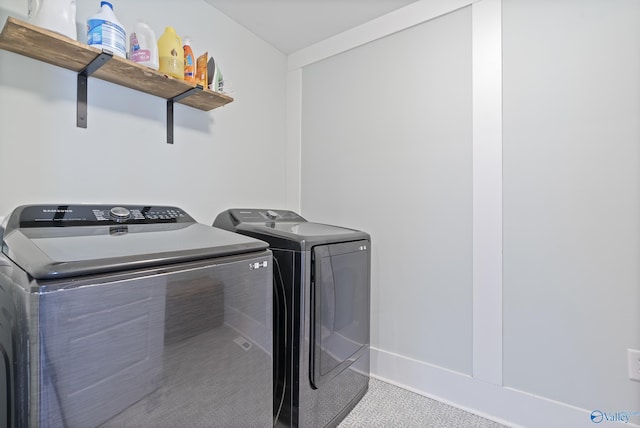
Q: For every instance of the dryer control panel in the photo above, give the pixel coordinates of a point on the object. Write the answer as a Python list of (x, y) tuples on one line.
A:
[(99, 215), (262, 216)]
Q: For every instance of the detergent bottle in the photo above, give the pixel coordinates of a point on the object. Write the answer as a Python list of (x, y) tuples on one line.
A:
[(171, 54), (189, 62), (143, 47)]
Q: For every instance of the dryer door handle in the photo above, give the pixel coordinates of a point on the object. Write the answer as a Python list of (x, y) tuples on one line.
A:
[(314, 345)]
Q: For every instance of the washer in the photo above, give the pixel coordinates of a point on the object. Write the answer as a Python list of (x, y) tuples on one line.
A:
[(131, 315), (321, 313)]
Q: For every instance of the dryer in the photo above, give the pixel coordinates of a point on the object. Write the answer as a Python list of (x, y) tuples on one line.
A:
[(321, 313), (130, 316)]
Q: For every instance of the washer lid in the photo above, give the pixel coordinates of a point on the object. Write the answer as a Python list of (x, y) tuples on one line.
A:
[(55, 241)]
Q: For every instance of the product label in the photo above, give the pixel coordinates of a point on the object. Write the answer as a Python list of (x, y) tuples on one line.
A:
[(106, 34), (141, 55), (133, 41), (189, 69)]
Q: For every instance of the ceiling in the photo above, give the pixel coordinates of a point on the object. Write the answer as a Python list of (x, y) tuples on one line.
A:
[(291, 25)]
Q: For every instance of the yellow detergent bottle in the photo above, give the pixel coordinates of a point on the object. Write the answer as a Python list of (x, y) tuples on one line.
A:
[(171, 54)]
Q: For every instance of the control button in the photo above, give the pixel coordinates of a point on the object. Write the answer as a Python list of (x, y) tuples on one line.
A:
[(272, 214), (119, 214), (99, 214)]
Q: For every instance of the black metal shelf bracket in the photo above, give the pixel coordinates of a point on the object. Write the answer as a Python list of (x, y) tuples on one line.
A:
[(81, 106), (170, 102)]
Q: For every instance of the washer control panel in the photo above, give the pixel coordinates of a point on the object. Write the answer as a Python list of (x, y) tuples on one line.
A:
[(97, 215)]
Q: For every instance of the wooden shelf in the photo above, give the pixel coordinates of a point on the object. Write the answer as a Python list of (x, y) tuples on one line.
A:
[(53, 48)]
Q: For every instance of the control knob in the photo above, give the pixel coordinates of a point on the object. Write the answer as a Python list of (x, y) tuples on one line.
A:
[(120, 214)]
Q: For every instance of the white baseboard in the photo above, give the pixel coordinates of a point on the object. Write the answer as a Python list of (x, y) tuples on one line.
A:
[(504, 405)]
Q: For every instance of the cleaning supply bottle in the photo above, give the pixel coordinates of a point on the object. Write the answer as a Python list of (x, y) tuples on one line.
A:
[(104, 31), (143, 46), (189, 62), (54, 15), (171, 54)]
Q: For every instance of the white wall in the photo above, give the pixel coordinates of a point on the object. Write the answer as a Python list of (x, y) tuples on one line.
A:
[(386, 131), (554, 314), (572, 200), (231, 156)]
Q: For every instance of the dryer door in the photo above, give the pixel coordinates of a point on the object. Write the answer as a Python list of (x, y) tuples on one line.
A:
[(339, 308)]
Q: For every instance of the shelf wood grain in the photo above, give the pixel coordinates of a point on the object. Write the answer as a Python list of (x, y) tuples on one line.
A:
[(38, 43)]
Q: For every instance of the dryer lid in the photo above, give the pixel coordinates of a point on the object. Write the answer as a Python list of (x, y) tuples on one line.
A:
[(284, 229), (304, 231), (55, 241), (299, 235)]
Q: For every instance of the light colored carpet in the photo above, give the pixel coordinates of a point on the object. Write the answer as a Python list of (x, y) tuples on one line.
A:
[(387, 406)]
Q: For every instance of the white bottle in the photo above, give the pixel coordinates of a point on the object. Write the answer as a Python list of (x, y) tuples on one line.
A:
[(143, 45), (58, 16), (104, 31)]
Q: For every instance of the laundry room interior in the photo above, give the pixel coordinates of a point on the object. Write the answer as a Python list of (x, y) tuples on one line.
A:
[(490, 148)]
